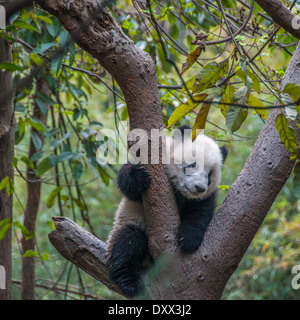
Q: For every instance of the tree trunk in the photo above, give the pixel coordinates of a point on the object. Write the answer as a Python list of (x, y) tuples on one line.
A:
[(6, 157), (203, 274), (281, 15), (32, 205), (95, 31)]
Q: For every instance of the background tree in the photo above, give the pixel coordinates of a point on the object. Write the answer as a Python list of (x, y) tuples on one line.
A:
[(237, 42), (6, 173)]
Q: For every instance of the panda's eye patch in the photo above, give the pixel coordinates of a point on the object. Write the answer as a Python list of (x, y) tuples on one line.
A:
[(209, 176), (192, 165)]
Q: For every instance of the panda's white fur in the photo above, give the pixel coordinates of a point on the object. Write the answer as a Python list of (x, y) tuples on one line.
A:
[(132, 212), (128, 212), (209, 159)]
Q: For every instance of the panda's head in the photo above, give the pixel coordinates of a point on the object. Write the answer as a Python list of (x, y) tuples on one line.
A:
[(195, 166)]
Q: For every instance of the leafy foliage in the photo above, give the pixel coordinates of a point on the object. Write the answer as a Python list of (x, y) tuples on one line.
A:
[(225, 87)]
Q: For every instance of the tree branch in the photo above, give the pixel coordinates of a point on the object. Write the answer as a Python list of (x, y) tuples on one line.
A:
[(95, 31), (82, 248), (201, 275), (282, 16), (249, 199)]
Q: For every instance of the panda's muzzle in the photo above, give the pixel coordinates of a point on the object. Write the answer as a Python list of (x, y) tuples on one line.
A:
[(199, 188)]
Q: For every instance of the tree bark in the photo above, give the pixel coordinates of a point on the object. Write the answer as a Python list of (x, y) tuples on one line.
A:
[(201, 275), (81, 248), (32, 205), (249, 200), (6, 157), (282, 16), (95, 31)]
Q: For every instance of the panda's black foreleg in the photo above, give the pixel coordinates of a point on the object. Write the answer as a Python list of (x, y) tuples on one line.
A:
[(129, 250), (133, 179), (195, 217), (190, 235)]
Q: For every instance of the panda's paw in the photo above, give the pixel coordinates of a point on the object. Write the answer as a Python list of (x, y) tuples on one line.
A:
[(188, 242), (131, 290), (129, 281), (133, 180)]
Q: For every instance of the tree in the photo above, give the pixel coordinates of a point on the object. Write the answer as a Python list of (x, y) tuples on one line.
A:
[(34, 184), (6, 172), (208, 270)]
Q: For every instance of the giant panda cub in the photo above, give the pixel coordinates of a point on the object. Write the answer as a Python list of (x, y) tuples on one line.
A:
[(195, 185)]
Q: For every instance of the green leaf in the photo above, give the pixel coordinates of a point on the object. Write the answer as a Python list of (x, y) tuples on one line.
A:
[(80, 204), (30, 254), (241, 95), (64, 156), (43, 47), (28, 162), (227, 97), (46, 98), (56, 64), (21, 125), (3, 222), (4, 182), (235, 116), (201, 118), (293, 90), (174, 32), (44, 166), (36, 141), (8, 184), (9, 67), (53, 28), (5, 226), (57, 143), (287, 134), (36, 125), (208, 76), (65, 39), (51, 224), (23, 24), (292, 111), (41, 104), (255, 102), (103, 175), (45, 256), (27, 235), (191, 59), (36, 59), (45, 19), (255, 81), (77, 170), (72, 54), (52, 196), (6, 37), (185, 108)]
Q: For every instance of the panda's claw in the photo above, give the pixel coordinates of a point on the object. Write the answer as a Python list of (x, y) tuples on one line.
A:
[(188, 241)]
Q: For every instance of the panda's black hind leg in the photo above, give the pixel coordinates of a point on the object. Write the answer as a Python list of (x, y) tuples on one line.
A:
[(129, 250), (133, 179)]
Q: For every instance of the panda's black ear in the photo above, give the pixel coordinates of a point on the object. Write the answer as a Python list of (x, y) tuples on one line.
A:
[(182, 128), (224, 152)]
